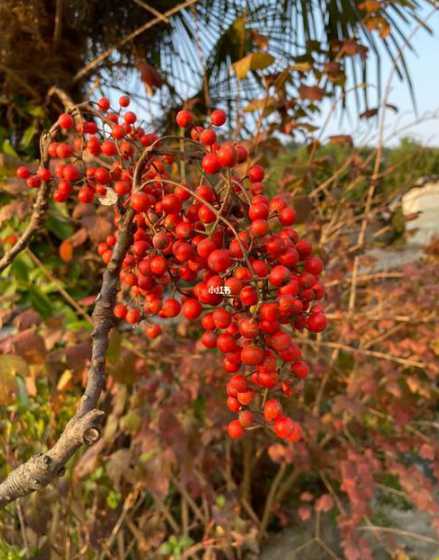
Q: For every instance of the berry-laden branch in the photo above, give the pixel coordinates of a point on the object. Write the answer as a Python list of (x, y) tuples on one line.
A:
[(179, 248), (40, 206), (42, 181)]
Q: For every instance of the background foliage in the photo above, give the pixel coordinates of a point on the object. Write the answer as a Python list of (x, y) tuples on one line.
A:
[(163, 481)]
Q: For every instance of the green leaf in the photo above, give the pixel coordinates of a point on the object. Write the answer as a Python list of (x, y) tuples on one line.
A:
[(10, 367), (8, 149), (22, 396), (40, 302), (20, 269), (113, 499), (28, 136), (37, 112), (59, 227)]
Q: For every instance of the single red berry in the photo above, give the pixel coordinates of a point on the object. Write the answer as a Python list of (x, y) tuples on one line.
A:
[(44, 174), (235, 429), (272, 410), (219, 260), (279, 275), (233, 404), (33, 182), (218, 117), (300, 370), (104, 104), (140, 201), (191, 309), (248, 296), (283, 427), (120, 310), (226, 155), (65, 121), (210, 164), (287, 216), (313, 265), (316, 322), (153, 331), (130, 117), (245, 398), (208, 137), (132, 316), (124, 101), (245, 418), (241, 153), (170, 308), (252, 355), (184, 118), (256, 173), (23, 172)]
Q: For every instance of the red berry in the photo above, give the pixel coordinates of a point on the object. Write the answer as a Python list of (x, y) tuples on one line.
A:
[(130, 117), (104, 104), (211, 164), (252, 355), (191, 309), (316, 322), (219, 260), (313, 265), (287, 216), (65, 121), (23, 172), (183, 118), (279, 275), (272, 410), (124, 101), (152, 331), (33, 182), (218, 117), (245, 418), (208, 137), (140, 201), (120, 310), (283, 427), (248, 296), (226, 155), (235, 429), (256, 173), (170, 308), (241, 153), (221, 318), (132, 316), (300, 370)]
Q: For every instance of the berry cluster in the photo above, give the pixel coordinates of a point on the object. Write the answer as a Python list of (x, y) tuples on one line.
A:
[(208, 245)]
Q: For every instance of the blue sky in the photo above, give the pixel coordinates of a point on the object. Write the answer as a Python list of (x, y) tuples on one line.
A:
[(424, 69)]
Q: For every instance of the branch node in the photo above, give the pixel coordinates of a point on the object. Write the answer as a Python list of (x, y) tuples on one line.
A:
[(91, 436)]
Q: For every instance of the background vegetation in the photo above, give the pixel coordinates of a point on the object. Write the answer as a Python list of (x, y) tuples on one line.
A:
[(163, 481)]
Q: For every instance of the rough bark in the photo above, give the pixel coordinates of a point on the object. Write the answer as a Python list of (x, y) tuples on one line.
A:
[(41, 469)]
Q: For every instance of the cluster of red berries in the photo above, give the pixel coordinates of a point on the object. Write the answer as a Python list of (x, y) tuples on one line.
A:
[(211, 248)]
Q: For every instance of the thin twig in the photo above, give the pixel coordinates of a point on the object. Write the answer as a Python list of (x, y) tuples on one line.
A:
[(103, 56)]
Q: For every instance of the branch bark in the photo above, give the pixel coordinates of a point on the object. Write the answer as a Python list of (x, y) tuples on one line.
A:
[(83, 428), (41, 469)]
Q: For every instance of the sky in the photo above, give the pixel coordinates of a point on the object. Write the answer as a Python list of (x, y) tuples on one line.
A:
[(424, 68)]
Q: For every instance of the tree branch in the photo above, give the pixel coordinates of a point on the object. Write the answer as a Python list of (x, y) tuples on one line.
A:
[(41, 469), (40, 206), (42, 201)]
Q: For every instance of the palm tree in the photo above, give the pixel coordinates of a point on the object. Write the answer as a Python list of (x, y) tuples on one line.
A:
[(197, 51)]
